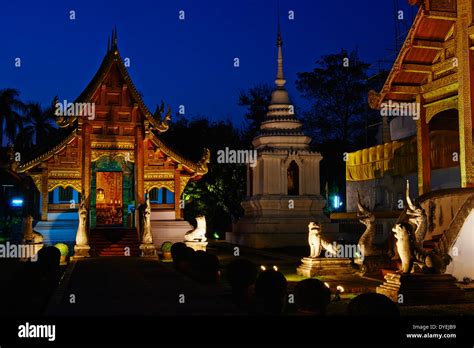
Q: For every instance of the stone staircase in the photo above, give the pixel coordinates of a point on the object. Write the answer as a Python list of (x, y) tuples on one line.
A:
[(114, 241)]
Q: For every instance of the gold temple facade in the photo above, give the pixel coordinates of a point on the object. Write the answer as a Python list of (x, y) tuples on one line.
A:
[(123, 137), (434, 71)]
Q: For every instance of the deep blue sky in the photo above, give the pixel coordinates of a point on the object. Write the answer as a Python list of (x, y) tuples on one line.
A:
[(184, 62)]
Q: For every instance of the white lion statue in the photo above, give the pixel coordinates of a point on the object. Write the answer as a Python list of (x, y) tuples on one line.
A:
[(317, 243), (199, 233)]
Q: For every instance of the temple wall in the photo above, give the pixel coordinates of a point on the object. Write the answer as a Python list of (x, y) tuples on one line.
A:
[(462, 264), (57, 231), (381, 194), (441, 208), (384, 193)]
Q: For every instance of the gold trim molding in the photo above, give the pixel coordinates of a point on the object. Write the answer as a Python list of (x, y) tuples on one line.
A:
[(65, 174), (148, 185), (112, 146), (183, 182), (158, 176), (54, 183), (37, 180), (129, 156), (440, 106)]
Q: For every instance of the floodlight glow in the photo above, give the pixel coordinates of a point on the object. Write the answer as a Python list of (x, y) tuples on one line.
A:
[(275, 268), (17, 202), (263, 268), (327, 285), (337, 201), (340, 288)]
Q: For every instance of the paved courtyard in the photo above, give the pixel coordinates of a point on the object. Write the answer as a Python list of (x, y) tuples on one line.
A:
[(140, 286), (134, 286)]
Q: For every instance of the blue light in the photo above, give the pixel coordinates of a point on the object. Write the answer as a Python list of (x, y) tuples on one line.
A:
[(336, 201), (17, 202)]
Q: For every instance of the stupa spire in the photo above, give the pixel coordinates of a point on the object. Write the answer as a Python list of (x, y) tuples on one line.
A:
[(280, 78), (280, 95)]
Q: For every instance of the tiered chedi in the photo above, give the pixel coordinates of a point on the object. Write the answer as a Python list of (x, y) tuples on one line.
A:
[(283, 186)]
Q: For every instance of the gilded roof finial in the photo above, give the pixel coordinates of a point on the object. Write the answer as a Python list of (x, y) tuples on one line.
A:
[(115, 35), (280, 78), (280, 95), (279, 40)]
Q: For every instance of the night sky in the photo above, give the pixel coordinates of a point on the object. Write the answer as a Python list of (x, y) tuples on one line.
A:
[(186, 62)]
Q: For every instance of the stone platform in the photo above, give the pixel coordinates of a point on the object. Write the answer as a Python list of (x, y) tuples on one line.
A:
[(372, 265), (324, 266), (197, 245), (169, 231), (421, 289), (148, 250)]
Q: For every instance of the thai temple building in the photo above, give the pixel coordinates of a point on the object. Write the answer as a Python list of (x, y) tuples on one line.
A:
[(110, 158), (428, 100), (283, 192)]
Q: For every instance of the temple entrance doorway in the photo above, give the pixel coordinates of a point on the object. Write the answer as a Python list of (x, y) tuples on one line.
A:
[(109, 201), (112, 192)]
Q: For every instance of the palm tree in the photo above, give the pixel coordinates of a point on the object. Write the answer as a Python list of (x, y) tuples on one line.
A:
[(10, 119), (39, 122)]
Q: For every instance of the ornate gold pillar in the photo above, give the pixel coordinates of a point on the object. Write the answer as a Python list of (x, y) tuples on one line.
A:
[(465, 93), (86, 162), (139, 164), (423, 146), (177, 193), (44, 192)]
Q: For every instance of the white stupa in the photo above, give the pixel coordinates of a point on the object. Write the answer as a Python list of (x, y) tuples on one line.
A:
[(283, 193)]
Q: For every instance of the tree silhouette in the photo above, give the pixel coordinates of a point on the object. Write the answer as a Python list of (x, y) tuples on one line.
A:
[(10, 108), (256, 101)]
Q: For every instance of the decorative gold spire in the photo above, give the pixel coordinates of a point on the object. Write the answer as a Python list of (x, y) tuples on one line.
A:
[(280, 95), (280, 78), (115, 39)]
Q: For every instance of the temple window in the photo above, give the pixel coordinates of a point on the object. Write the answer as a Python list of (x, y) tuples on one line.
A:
[(62, 195), (293, 179), (161, 196), (65, 194)]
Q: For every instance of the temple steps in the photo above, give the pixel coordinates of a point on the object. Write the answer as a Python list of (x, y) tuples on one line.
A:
[(116, 241)]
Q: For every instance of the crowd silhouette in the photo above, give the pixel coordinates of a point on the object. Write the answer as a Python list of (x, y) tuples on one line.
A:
[(258, 292)]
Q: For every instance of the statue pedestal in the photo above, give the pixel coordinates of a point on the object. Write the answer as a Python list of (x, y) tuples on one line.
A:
[(197, 245), (148, 250), (81, 251), (324, 266), (420, 288), (371, 265)]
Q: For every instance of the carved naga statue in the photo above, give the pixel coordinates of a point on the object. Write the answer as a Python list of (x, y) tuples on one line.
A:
[(146, 222), (410, 243), (81, 234), (417, 217), (366, 241)]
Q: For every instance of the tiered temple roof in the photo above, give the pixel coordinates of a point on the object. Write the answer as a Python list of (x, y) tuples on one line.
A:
[(154, 124)]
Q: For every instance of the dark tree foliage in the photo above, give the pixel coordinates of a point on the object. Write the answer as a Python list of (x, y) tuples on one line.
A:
[(339, 119), (10, 113), (25, 124), (256, 101), (36, 127), (219, 193)]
